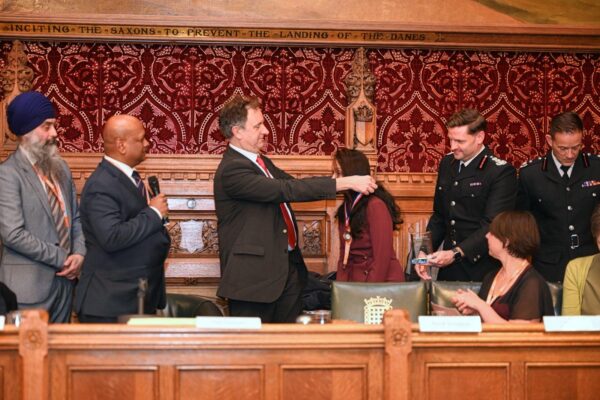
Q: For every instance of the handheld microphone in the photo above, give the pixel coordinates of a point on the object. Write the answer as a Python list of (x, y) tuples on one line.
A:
[(155, 190)]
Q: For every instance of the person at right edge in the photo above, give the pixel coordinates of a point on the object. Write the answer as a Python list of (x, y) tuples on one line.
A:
[(561, 190), (473, 186)]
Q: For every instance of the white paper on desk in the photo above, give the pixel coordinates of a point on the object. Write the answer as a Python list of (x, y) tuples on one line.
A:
[(574, 323), (449, 324), (2, 321), (228, 322)]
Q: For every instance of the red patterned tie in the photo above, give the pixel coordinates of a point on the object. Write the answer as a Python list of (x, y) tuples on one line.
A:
[(285, 211)]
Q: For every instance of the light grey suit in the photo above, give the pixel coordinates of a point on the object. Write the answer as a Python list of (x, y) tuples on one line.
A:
[(31, 255)]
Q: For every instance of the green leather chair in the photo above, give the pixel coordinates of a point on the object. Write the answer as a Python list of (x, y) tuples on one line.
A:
[(556, 290), (441, 292), (189, 306), (366, 302)]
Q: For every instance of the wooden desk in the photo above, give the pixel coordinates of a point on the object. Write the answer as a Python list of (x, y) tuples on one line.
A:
[(505, 362), (335, 361), (341, 361)]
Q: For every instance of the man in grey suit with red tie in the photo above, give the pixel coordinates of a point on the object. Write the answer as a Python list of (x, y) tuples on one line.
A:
[(262, 269), (42, 239), (124, 231)]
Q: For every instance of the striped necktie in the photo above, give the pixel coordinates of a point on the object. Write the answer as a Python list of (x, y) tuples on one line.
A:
[(285, 211), (139, 184), (61, 220)]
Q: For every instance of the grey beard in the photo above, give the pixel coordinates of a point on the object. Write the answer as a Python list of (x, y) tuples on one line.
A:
[(46, 158)]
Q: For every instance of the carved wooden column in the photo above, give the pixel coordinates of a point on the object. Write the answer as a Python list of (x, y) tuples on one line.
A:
[(33, 349), (361, 114), (398, 345), (15, 78)]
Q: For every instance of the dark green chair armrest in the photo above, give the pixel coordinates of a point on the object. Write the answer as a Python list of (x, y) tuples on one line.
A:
[(189, 306), (442, 292), (556, 291)]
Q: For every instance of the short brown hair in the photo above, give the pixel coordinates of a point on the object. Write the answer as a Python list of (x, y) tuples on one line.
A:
[(596, 222), (518, 231), (235, 113), (469, 117), (567, 122)]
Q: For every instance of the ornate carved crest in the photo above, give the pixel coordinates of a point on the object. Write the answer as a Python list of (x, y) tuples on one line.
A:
[(360, 78), (191, 236), (361, 113), (194, 237), (375, 307), (311, 233), (15, 78)]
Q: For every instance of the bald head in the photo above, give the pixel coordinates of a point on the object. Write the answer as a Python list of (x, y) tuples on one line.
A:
[(124, 139)]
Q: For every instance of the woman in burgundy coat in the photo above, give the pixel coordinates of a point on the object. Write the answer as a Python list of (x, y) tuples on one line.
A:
[(366, 226)]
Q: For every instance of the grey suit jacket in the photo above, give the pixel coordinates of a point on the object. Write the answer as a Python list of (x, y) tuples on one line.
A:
[(31, 256)]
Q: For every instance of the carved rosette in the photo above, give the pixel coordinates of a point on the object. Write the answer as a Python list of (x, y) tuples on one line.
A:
[(33, 339), (400, 337)]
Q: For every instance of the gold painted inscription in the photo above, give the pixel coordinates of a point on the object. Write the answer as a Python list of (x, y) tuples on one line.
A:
[(137, 32)]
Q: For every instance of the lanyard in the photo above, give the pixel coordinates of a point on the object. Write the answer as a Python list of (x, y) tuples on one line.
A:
[(347, 231)]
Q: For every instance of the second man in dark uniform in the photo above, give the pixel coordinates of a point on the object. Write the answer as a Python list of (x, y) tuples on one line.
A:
[(561, 189)]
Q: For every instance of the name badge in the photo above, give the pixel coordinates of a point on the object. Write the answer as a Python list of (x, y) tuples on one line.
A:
[(449, 324), (572, 323), (228, 322)]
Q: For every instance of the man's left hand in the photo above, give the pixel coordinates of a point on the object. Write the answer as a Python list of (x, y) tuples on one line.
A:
[(72, 267), (441, 258)]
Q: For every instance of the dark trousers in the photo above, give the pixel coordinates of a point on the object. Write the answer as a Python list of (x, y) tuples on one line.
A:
[(95, 319), (285, 309), (58, 303)]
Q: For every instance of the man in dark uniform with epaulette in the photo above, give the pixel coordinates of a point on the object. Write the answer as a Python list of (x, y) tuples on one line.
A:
[(561, 190), (472, 187)]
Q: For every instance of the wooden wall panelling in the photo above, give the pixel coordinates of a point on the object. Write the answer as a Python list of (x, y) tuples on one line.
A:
[(193, 264)]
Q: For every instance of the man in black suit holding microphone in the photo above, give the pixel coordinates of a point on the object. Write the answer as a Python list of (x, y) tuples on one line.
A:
[(123, 228)]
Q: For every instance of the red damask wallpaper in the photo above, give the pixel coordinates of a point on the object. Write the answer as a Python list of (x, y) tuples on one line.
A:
[(178, 90)]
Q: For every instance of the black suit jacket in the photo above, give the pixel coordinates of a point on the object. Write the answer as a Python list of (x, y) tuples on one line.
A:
[(562, 210), (253, 245), (126, 240), (463, 207)]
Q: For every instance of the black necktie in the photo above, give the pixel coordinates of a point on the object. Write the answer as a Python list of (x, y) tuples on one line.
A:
[(565, 176), (139, 184), (460, 167)]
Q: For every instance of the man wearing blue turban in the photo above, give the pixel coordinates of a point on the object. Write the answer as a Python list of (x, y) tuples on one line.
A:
[(42, 239)]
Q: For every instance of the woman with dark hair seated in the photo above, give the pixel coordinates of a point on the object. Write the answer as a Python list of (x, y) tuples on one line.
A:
[(366, 226), (581, 289), (516, 292)]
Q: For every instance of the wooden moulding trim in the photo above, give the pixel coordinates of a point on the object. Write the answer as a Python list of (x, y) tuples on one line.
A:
[(200, 169), (154, 29), (100, 337)]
